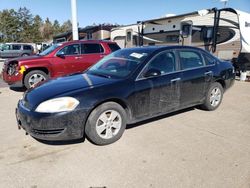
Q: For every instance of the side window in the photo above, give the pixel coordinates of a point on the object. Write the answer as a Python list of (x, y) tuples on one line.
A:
[(16, 47), (113, 47), (91, 48), (27, 47), (190, 59), (209, 60), (6, 47), (163, 63), (73, 49)]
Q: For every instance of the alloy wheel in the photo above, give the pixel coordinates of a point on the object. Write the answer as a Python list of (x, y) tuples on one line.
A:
[(108, 124), (35, 78), (215, 97)]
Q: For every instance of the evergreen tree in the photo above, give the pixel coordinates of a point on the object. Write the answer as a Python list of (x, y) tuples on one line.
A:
[(56, 27), (47, 30), (37, 29), (25, 24), (9, 26), (66, 26)]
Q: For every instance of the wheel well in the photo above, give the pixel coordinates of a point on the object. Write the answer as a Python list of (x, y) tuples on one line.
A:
[(222, 83), (36, 68), (118, 101)]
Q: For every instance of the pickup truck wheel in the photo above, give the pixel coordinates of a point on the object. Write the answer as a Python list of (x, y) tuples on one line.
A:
[(34, 77), (214, 97), (106, 123)]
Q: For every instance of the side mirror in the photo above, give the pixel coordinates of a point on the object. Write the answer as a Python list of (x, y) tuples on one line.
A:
[(152, 73), (60, 55)]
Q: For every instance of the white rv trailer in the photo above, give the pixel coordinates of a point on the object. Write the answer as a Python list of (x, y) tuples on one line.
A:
[(223, 32)]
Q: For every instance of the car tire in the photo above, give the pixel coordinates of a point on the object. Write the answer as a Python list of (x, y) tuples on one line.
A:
[(34, 77), (25, 55), (106, 123), (213, 97)]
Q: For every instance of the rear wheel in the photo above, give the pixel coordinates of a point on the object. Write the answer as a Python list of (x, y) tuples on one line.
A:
[(34, 77), (214, 97), (25, 55), (106, 123)]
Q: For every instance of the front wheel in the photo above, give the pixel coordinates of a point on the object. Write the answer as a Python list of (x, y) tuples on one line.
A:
[(106, 123), (34, 77), (214, 97)]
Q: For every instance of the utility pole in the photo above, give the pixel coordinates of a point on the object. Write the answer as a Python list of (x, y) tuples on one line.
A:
[(74, 20)]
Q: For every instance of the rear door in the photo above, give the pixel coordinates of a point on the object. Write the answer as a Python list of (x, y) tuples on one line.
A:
[(195, 76), (91, 53)]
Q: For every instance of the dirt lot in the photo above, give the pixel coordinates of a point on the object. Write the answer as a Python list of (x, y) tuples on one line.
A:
[(192, 148)]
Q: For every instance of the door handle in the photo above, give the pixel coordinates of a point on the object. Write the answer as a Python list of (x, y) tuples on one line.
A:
[(78, 57), (175, 79), (208, 73)]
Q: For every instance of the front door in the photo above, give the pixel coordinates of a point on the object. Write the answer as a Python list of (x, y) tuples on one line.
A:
[(157, 87), (66, 60), (6, 51)]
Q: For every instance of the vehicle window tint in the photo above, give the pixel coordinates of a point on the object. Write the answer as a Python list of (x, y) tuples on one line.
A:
[(91, 48), (209, 60), (70, 50), (164, 62), (190, 59), (16, 47), (6, 47), (27, 47), (113, 47)]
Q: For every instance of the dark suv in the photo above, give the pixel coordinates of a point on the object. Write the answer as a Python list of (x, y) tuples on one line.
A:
[(11, 50), (58, 60)]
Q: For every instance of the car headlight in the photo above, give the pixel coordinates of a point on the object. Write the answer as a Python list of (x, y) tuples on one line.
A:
[(62, 104)]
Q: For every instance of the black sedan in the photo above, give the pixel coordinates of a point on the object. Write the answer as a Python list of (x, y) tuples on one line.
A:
[(127, 86)]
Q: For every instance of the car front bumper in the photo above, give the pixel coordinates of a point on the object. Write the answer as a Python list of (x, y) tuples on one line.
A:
[(15, 79), (51, 127)]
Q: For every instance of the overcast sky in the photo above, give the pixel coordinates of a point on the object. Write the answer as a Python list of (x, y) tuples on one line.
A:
[(117, 11)]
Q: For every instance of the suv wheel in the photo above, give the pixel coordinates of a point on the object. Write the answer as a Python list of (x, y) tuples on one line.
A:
[(214, 97), (25, 55), (106, 123), (34, 77)]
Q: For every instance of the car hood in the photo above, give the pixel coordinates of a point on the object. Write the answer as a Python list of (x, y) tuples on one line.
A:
[(25, 58), (63, 85)]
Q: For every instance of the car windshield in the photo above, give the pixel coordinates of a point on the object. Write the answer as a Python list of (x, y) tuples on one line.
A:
[(119, 64), (50, 49)]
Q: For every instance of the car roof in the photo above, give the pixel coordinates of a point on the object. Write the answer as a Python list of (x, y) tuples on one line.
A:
[(152, 49), (87, 41)]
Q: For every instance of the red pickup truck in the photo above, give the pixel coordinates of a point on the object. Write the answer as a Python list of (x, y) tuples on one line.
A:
[(58, 60)]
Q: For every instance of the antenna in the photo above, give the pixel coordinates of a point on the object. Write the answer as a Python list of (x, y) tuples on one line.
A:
[(225, 2)]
